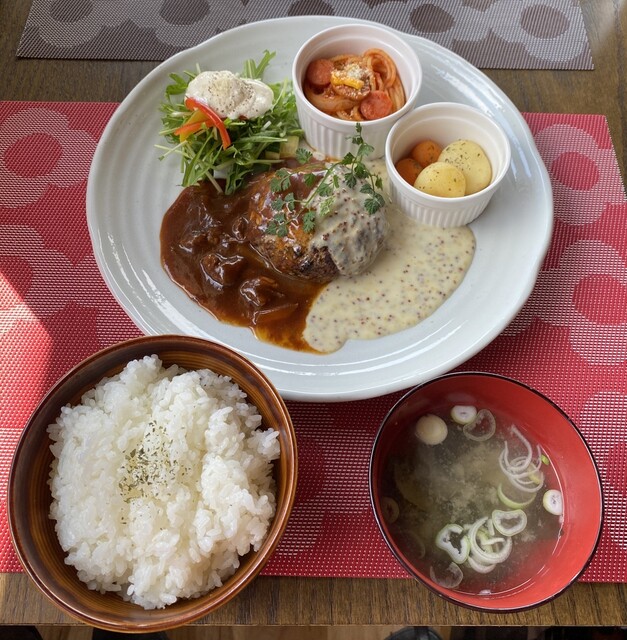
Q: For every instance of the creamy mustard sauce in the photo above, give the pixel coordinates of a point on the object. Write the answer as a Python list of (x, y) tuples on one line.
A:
[(352, 236), (417, 270)]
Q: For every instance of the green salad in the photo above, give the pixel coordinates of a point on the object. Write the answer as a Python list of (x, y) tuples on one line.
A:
[(233, 149)]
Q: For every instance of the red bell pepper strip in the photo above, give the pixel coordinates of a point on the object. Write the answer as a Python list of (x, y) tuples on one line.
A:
[(212, 117), (186, 130)]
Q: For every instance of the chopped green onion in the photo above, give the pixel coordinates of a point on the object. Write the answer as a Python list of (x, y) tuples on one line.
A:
[(553, 502), (452, 540), (390, 509), (509, 523), (463, 414), (452, 579)]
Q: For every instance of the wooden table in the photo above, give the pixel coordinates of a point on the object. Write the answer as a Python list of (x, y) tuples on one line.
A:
[(306, 601)]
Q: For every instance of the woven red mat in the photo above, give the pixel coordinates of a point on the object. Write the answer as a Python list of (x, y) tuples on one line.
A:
[(569, 341)]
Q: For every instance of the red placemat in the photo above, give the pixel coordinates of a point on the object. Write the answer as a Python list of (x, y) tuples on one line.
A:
[(569, 340), (499, 34)]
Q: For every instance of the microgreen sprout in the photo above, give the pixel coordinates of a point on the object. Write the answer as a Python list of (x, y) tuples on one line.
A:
[(323, 185)]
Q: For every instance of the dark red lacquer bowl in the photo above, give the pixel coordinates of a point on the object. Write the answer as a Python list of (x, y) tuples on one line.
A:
[(553, 567)]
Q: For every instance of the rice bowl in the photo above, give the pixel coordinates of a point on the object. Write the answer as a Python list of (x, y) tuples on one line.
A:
[(29, 497), (175, 482)]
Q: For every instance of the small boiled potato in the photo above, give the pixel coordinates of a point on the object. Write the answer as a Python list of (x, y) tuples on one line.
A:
[(473, 162), (441, 179)]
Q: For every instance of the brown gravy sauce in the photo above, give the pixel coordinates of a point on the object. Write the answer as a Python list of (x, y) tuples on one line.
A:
[(205, 251)]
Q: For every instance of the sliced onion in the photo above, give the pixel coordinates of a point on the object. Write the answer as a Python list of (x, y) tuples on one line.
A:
[(553, 502), (328, 102), (531, 481), (484, 555), (476, 430), (517, 464), (521, 463), (529, 488), (453, 578), (511, 503), (488, 543), (478, 566), (527, 472), (523, 472)]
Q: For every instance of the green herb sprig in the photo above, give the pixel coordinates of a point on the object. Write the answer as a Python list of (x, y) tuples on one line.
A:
[(287, 206)]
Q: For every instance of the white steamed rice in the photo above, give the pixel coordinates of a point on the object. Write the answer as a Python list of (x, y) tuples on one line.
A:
[(161, 481)]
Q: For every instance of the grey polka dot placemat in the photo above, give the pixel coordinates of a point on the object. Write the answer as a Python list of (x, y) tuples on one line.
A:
[(507, 34)]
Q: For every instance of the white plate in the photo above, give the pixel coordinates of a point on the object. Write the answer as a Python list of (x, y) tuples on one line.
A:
[(129, 190)]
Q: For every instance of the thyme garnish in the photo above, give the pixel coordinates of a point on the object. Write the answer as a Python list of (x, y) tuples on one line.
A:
[(287, 206)]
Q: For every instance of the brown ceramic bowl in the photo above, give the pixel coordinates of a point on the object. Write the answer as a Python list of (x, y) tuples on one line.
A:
[(29, 496)]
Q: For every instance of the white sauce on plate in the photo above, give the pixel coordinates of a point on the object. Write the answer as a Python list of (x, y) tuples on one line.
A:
[(418, 269), (352, 236)]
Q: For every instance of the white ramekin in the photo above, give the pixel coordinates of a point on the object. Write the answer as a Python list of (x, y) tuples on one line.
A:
[(445, 122), (330, 135)]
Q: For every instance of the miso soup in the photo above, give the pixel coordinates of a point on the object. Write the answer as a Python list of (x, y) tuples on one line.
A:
[(471, 501)]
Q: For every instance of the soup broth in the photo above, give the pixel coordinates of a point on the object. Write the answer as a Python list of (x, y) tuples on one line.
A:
[(455, 512)]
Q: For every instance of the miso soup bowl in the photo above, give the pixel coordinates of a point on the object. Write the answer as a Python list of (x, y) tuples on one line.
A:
[(550, 564), (29, 497), (329, 135), (445, 122)]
